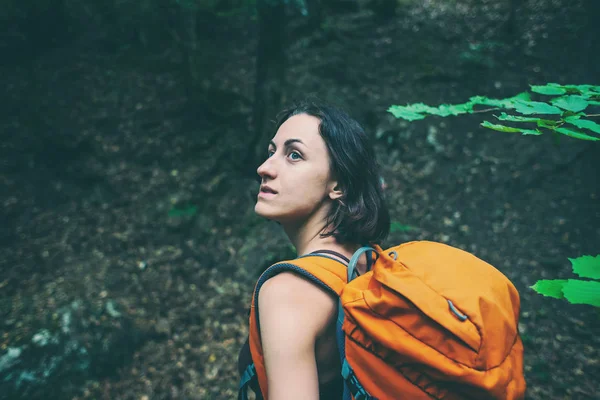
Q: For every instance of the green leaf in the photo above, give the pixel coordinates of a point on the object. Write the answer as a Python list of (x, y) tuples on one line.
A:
[(398, 227), (420, 108), (583, 123), (525, 96), (501, 103), (417, 111), (586, 266), (500, 128), (448, 109), (535, 107), (405, 113), (183, 212), (583, 88), (571, 103), (504, 128), (484, 101), (549, 89), (582, 292), (543, 123), (576, 134), (550, 287), (518, 118)]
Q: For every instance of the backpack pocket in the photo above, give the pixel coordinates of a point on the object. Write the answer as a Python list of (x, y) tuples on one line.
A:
[(398, 308)]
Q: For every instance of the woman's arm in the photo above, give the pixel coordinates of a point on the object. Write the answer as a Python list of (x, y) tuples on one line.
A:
[(293, 312)]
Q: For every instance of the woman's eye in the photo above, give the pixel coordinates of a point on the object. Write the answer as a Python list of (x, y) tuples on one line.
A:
[(270, 153), (294, 155)]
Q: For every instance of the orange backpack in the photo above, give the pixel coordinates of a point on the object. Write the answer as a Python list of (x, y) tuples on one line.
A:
[(428, 321)]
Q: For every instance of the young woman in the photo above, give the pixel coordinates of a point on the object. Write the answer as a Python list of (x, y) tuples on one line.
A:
[(321, 183)]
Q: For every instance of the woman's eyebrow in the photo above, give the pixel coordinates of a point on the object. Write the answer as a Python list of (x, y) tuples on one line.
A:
[(287, 142)]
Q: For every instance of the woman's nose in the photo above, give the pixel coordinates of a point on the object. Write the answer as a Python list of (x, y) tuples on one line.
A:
[(266, 169)]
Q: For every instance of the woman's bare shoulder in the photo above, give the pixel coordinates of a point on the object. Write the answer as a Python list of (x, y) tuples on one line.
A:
[(290, 293), (294, 313)]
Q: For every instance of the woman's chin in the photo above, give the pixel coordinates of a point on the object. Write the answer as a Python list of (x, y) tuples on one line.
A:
[(262, 211)]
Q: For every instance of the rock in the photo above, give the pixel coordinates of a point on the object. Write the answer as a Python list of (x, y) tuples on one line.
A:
[(37, 369), (58, 358), (142, 265), (163, 327), (10, 358), (43, 338), (111, 309), (432, 132)]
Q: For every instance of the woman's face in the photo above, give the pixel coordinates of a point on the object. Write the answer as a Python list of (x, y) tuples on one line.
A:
[(296, 179)]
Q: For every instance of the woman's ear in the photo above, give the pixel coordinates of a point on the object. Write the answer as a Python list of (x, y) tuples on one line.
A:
[(335, 191)]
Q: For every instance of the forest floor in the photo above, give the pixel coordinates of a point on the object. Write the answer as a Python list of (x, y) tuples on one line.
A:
[(100, 150)]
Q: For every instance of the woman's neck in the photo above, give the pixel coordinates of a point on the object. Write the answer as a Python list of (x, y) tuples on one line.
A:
[(306, 238)]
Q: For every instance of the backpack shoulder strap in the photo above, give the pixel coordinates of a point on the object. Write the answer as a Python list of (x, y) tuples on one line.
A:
[(324, 271)]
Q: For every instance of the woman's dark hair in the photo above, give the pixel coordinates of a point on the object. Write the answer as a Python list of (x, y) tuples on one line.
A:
[(361, 215)]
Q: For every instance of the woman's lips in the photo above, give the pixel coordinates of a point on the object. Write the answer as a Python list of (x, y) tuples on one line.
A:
[(266, 194)]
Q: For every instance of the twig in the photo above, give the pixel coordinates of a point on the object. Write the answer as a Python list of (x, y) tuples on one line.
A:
[(486, 110)]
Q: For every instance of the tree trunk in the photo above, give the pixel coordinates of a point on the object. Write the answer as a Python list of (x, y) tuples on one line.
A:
[(270, 76), (512, 23), (592, 8), (196, 67), (314, 14), (190, 44)]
